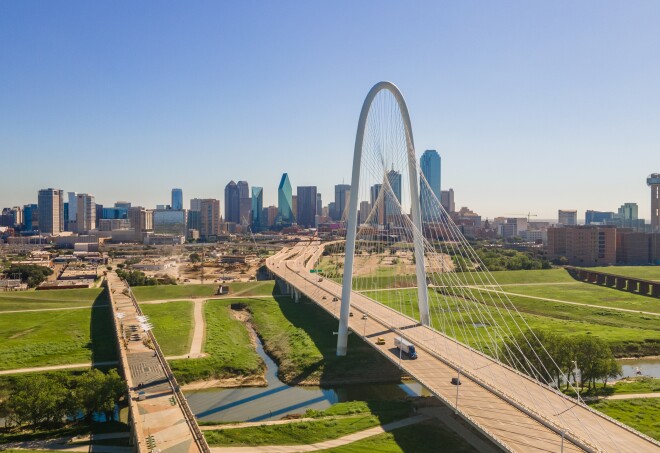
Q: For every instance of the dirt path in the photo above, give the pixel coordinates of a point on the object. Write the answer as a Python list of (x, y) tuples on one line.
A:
[(56, 367), (334, 443), (622, 396), (54, 309), (626, 310)]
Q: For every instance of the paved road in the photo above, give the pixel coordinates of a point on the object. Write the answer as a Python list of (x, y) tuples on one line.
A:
[(515, 411)]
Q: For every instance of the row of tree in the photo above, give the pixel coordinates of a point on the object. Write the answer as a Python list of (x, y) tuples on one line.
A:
[(49, 400), (554, 357), (139, 278), (28, 273)]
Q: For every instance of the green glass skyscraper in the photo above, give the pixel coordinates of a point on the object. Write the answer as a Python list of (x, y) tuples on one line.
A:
[(285, 200)]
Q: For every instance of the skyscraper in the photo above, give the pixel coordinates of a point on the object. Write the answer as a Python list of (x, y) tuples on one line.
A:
[(306, 206), (257, 206), (177, 199), (85, 213), (209, 217), (51, 211), (653, 181), (430, 165), (392, 208), (378, 204), (567, 217), (232, 203), (71, 212), (342, 192), (447, 200), (319, 204), (285, 200), (244, 203)]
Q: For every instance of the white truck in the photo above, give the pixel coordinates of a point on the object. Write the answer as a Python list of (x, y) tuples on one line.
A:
[(406, 346)]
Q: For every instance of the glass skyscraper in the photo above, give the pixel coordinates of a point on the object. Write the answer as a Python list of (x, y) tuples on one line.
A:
[(430, 165), (232, 203), (285, 200), (177, 199), (257, 206)]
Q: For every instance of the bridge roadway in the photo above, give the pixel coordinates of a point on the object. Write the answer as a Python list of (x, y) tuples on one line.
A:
[(160, 418), (516, 412)]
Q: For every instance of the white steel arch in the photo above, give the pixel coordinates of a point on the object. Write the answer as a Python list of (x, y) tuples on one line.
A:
[(351, 229)]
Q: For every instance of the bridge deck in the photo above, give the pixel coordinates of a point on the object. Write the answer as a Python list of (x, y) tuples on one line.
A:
[(510, 408), (159, 420)]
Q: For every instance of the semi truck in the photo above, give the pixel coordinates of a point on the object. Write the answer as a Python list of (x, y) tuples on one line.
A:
[(406, 346)]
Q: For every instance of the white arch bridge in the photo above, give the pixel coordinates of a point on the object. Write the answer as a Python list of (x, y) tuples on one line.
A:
[(397, 275)]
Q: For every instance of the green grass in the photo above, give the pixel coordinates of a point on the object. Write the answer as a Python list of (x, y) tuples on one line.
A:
[(56, 338), (643, 414), (169, 292), (643, 272), (587, 293), (626, 387), (34, 300), (386, 410), (428, 437), (456, 317), (299, 336), (291, 434), (228, 345), (173, 325)]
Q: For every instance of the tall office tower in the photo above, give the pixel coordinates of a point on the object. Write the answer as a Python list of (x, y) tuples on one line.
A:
[(85, 213), (567, 217), (270, 215), (306, 196), (653, 181), (123, 205), (341, 201), (17, 216), (99, 213), (194, 214), (51, 211), (365, 209), (71, 212), (392, 208), (319, 204), (447, 200), (628, 215), (243, 189), (294, 208), (141, 219), (209, 217), (232, 203), (30, 217), (177, 199), (285, 200), (597, 217), (378, 204), (430, 164), (257, 207), (244, 203)]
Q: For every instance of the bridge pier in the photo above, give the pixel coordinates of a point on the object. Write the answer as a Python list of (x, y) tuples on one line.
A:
[(643, 288), (610, 280), (600, 279), (620, 283), (633, 285), (655, 290)]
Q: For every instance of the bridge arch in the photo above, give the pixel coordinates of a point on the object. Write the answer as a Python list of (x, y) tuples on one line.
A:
[(351, 228)]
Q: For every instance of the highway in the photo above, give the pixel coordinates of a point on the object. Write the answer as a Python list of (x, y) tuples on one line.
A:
[(516, 412)]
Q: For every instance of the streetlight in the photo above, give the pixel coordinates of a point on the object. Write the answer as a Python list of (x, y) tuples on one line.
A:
[(577, 387), (364, 331)]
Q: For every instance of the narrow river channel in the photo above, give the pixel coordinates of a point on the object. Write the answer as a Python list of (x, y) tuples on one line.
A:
[(278, 399)]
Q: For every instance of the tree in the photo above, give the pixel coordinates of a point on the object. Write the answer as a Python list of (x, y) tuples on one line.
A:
[(31, 274), (98, 392), (195, 257)]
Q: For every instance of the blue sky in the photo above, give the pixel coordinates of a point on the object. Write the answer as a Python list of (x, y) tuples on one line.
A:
[(533, 106)]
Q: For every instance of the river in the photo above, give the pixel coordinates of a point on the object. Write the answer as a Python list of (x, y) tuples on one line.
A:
[(279, 399), (648, 367)]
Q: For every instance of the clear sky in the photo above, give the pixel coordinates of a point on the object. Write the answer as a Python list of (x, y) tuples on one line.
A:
[(533, 105)]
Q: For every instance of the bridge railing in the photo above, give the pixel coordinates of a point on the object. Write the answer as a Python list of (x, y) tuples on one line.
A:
[(190, 418)]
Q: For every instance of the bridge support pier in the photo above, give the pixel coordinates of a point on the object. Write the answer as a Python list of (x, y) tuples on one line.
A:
[(620, 283), (632, 286), (655, 290), (643, 288), (600, 279), (610, 280)]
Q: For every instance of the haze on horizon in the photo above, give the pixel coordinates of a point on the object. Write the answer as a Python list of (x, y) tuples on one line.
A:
[(533, 106)]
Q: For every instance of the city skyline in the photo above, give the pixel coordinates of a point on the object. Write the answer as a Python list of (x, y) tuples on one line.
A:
[(230, 93)]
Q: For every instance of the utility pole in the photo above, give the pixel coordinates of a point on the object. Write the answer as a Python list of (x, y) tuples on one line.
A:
[(202, 264)]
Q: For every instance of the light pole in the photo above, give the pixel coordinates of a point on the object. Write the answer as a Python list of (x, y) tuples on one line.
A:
[(364, 330), (577, 386), (458, 383)]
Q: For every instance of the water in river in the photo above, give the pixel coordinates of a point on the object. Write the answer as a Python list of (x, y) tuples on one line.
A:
[(647, 367), (278, 399)]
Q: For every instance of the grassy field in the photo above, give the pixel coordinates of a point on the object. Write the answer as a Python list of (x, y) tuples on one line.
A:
[(56, 338), (643, 272), (299, 336), (457, 317), (643, 414), (34, 300), (227, 344), (339, 420), (173, 323), (170, 292), (430, 437)]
